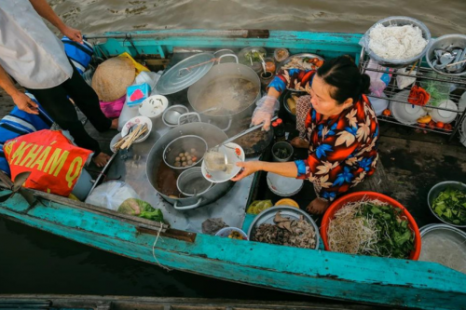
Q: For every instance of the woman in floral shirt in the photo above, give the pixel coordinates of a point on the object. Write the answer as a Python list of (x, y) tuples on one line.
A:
[(341, 130)]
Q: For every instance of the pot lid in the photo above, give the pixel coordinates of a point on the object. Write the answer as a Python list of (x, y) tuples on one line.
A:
[(185, 73)]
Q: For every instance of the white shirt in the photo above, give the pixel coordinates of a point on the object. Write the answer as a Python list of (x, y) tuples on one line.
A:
[(29, 51)]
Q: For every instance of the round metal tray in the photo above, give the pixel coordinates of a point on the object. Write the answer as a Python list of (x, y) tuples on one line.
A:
[(267, 216), (450, 248)]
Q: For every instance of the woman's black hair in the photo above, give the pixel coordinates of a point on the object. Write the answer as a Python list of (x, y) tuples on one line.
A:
[(343, 74)]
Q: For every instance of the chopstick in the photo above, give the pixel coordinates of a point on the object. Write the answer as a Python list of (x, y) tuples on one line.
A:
[(129, 139)]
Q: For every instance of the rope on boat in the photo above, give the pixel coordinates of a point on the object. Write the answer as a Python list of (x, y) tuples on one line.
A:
[(153, 250)]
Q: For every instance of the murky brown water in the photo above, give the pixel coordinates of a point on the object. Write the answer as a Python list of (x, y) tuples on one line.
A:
[(92, 16)]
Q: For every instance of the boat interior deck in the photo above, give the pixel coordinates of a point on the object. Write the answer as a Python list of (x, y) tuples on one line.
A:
[(411, 162)]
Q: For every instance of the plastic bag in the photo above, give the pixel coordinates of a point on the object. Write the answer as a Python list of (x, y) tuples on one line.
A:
[(111, 195), (405, 81), (266, 107), (140, 208), (54, 162), (379, 80)]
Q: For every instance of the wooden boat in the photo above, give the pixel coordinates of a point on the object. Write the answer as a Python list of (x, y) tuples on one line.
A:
[(86, 302), (382, 281)]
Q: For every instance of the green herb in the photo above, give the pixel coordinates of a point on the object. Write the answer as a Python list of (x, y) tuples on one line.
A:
[(395, 239), (450, 205), (150, 213), (141, 208), (282, 152), (254, 56)]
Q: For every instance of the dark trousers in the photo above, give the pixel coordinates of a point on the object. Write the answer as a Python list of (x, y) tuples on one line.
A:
[(55, 101)]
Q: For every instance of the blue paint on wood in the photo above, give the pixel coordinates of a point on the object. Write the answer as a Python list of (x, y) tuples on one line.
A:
[(324, 43)]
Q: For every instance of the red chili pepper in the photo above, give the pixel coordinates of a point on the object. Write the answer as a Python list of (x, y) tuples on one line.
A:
[(238, 151), (209, 176)]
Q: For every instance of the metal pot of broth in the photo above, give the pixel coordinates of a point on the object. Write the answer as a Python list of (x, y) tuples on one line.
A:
[(226, 93), (164, 179)]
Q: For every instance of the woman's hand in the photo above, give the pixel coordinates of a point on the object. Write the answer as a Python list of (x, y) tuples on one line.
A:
[(300, 143), (317, 206), (266, 107), (73, 34), (249, 168)]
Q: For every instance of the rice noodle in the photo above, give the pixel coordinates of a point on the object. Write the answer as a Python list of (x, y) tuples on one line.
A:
[(396, 42), (352, 234)]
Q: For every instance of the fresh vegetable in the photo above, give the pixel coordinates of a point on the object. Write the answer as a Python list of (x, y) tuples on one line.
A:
[(448, 127), (424, 119), (450, 205), (140, 208), (370, 228), (395, 239), (387, 112), (440, 125), (282, 152), (431, 125), (258, 206), (254, 56)]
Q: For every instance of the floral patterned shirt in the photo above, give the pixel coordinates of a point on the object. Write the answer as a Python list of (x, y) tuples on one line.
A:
[(343, 148)]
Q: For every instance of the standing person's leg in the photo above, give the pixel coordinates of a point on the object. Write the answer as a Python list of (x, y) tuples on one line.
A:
[(87, 101), (61, 110)]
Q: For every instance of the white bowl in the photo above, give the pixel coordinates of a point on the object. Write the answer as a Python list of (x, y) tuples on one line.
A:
[(134, 122), (229, 149), (405, 113), (444, 116), (225, 232), (379, 104), (283, 186), (153, 106), (115, 139)]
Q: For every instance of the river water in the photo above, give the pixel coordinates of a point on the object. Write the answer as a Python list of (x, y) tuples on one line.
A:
[(32, 261)]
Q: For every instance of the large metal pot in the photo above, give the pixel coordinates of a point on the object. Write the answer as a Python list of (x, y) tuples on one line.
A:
[(213, 135), (223, 70)]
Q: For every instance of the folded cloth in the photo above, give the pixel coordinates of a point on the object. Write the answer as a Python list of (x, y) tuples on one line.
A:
[(418, 96)]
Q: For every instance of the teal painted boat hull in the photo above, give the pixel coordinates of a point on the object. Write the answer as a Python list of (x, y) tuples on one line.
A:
[(311, 272)]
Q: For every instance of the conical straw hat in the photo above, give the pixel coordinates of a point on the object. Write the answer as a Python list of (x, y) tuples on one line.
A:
[(112, 77)]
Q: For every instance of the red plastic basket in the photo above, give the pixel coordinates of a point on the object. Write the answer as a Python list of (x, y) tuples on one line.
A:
[(340, 202)]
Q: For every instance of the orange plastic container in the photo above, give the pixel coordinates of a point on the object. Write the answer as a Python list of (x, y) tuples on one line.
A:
[(340, 202)]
